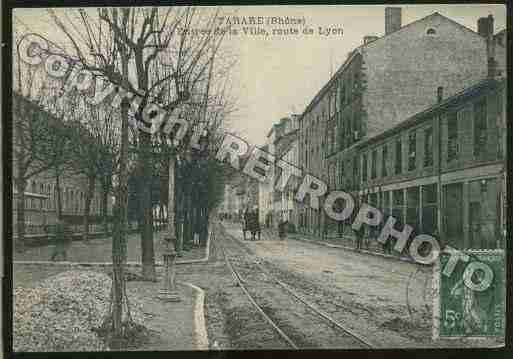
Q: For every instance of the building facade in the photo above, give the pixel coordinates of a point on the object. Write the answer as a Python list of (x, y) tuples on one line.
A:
[(286, 149), (241, 193), (41, 191), (266, 188), (382, 83), (442, 171)]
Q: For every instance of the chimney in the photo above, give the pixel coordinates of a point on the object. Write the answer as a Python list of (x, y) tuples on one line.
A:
[(485, 29), (392, 19), (485, 26), (368, 39), (439, 94)]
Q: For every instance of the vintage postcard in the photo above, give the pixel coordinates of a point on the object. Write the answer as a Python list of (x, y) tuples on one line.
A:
[(257, 177)]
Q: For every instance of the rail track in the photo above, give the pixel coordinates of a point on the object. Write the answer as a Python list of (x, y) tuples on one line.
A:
[(297, 321)]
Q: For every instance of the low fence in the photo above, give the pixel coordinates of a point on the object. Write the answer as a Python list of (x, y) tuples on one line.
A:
[(40, 235)]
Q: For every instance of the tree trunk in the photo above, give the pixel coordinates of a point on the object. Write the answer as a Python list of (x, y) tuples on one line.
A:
[(105, 210), (148, 254), (58, 188), (178, 206), (114, 321), (171, 203), (186, 224), (20, 214), (161, 215), (91, 181)]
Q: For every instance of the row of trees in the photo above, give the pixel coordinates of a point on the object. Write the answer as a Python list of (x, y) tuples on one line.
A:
[(144, 52)]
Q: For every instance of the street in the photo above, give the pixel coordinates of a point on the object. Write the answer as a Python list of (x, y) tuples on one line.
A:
[(385, 299), (386, 302)]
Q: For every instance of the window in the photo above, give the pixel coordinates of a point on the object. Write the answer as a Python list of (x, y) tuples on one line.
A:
[(398, 157), (429, 209), (452, 136), (373, 163), (349, 134), (355, 171), (364, 167), (356, 82), (412, 156), (398, 207), (341, 133), (357, 123), (332, 109), (428, 147), (431, 31), (412, 208), (480, 127), (384, 162), (453, 214), (335, 95), (342, 96), (340, 174), (385, 204), (484, 213)]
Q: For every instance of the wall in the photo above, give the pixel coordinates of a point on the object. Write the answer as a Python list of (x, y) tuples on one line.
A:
[(403, 70), (472, 190)]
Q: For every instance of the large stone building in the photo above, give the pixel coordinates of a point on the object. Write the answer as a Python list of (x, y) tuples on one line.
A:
[(240, 193), (442, 171), (286, 147), (382, 83), (41, 191), (274, 204), (266, 188)]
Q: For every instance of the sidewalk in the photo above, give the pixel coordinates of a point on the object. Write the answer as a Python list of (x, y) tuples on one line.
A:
[(99, 252), (179, 326), (173, 325), (345, 242)]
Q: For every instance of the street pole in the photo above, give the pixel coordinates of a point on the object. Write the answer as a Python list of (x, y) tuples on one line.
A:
[(168, 292)]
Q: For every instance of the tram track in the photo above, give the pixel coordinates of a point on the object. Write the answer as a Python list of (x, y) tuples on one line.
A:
[(297, 321)]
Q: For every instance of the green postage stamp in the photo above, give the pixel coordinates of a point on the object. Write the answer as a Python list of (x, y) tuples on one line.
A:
[(469, 298)]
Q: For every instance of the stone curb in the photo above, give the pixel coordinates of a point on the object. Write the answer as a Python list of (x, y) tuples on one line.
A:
[(128, 264), (200, 339)]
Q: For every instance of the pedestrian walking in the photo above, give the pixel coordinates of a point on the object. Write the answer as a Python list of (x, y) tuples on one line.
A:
[(253, 224), (359, 234), (62, 240), (282, 228), (245, 223), (387, 246)]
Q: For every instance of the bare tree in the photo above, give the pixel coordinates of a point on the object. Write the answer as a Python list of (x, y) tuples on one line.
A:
[(165, 66), (95, 144), (41, 142)]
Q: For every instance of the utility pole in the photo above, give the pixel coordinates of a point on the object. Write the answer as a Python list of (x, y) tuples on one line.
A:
[(168, 292)]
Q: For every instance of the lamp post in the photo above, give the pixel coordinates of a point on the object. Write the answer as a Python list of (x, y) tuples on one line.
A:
[(168, 292)]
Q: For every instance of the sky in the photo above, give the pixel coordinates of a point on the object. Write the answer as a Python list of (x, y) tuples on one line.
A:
[(277, 75)]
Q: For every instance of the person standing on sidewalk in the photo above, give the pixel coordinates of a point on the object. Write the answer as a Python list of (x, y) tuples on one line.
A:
[(387, 246), (62, 239), (282, 228), (245, 223), (359, 237)]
